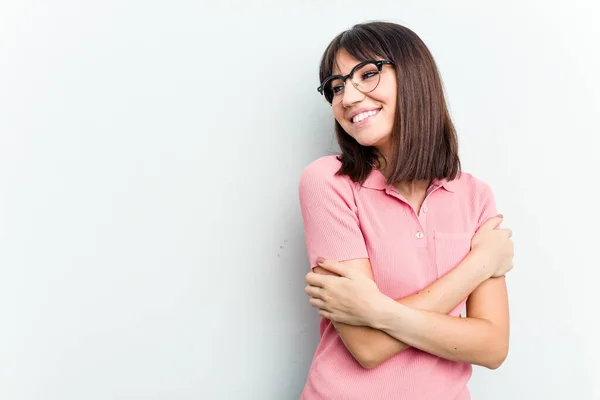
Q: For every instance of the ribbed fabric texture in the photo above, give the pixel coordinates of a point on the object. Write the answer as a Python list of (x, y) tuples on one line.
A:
[(407, 251)]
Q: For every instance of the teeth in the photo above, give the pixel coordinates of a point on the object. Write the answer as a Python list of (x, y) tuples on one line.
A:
[(361, 116)]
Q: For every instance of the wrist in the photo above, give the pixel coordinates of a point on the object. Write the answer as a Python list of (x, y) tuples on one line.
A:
[(481, 264), (384, 312)]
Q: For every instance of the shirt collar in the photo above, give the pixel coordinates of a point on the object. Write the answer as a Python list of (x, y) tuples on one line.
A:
[(377, 181), (446, 184)]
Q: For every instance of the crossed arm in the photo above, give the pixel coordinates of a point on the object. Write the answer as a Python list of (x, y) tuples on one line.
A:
[(374, 327), (421, 320)]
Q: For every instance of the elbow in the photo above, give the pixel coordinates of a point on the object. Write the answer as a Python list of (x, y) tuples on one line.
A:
[(494, 364), (496, 358), (367, 359), (368, 363)]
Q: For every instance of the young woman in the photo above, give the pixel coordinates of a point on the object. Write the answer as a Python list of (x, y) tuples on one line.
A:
[(408, 239)]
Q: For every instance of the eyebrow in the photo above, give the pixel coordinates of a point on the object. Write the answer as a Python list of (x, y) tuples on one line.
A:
[(336, 65)]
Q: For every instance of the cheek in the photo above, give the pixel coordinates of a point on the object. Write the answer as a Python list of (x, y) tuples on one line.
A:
[(390, 115), (387, 97), (339, 117)]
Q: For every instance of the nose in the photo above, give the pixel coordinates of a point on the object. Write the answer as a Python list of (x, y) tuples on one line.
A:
[(351, 94)]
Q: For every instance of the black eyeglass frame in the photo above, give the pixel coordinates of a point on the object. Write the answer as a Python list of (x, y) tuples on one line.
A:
[(378, 63)]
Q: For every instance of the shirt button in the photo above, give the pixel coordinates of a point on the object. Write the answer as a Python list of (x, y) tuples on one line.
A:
[(425, 209), (420, 235)]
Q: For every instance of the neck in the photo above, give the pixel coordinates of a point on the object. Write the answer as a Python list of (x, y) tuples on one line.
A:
[(413, 189), (407, 189)]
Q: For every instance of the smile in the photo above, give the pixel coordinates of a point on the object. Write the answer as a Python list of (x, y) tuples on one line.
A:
[(364, 117)]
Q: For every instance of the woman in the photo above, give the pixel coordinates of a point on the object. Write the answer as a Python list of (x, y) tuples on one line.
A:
[(409, 240)]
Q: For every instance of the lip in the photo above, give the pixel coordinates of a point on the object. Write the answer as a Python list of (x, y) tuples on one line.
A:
[(362, 110), (366, 120)]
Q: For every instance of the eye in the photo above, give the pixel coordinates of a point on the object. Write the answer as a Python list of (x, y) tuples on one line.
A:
[(337, 86), (369, 74), (337, 89)]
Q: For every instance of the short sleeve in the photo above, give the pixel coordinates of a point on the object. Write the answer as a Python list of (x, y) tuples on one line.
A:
[(331, 224), (487, 204)]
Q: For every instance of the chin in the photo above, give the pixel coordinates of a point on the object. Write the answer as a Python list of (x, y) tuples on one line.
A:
[(369, 140)]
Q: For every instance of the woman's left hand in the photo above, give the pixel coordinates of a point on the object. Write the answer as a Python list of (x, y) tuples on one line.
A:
[(350, 298)]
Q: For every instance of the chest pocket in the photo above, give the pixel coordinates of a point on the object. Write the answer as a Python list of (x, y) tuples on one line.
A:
[(450, 250)]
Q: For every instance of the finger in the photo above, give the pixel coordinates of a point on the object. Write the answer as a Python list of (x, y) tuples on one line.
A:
[(492, 222), (314, 279), (318, 303), (332, 266), (314, 291), (325, 314)]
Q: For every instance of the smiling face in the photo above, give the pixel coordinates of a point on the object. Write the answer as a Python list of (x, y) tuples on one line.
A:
[(369, 117), (417, 142)]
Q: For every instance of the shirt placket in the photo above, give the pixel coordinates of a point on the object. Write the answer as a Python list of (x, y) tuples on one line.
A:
[(421, 238)]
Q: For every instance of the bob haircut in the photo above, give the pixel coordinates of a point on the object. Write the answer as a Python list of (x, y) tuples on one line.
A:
[(424, 142)]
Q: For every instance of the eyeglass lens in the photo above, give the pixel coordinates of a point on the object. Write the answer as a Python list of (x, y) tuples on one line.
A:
[(365, 79)]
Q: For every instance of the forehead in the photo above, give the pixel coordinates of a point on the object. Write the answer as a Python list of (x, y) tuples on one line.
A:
[(343, 63)]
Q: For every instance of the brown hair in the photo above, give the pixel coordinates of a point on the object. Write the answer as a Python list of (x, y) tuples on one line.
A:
[(423, 136)]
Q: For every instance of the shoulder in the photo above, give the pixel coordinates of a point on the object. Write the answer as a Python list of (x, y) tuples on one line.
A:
[(477, 195), (323, 166), (324, 169), (320, 176), (470, 185)]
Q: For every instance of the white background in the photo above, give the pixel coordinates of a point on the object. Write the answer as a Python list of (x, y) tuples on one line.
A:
[(151, 243)]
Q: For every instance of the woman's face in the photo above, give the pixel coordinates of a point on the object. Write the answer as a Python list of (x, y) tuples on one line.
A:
[(374, 130)]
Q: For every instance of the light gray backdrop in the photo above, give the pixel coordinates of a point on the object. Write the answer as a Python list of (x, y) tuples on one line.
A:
[(151, 244)]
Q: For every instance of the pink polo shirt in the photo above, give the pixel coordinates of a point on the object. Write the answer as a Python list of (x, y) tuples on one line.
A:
[(344, 220)]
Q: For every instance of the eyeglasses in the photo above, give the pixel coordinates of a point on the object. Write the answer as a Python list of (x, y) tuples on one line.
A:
[(365, 77)]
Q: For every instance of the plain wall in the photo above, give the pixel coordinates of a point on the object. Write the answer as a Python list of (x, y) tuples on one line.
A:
[(151, 243)]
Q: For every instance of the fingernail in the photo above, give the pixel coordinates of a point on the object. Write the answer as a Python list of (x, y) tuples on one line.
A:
[(320, 260), (500, 215)]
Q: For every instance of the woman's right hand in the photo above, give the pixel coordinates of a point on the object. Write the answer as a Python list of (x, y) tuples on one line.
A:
[(496, 245)]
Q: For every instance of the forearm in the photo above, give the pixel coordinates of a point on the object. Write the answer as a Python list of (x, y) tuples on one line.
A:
[(469, 340), (369, 346), (372, 346), (443, 295)]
